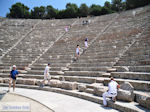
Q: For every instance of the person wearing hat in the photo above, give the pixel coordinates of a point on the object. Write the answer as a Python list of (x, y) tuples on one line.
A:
[(112, 91), (46, 75), (13, 76)]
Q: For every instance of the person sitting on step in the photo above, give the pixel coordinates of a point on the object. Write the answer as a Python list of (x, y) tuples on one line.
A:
[(112, 91)]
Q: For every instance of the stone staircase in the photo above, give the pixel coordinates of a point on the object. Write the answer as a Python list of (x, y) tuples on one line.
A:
[(113, 51)]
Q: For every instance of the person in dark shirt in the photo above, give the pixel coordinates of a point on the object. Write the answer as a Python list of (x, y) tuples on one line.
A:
[(13, 76)]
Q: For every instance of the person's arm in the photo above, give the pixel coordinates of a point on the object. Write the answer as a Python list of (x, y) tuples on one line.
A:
[(17, 74), (47, 71), (10, 74), (118, 86)]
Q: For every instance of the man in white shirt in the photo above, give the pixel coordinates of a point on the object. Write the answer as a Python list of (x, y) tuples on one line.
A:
[(112, 91), (46, 75)]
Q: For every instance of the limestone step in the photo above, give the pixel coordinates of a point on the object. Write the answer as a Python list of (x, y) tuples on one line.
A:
[(109, 64), (6, 75), (43, 68), (97, 57), (41, 72), (57, 57), (84, 73), (120, 105), (52, 64), (103, 68), (17, 61), (132, 75), (137, 84), (134, 68), (54, 61), (97, 60), (145, 62)]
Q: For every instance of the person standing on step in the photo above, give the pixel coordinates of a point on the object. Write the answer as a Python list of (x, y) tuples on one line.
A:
[(46, 75), (112, 91), (77, 52), (13, 76), (86, 43)]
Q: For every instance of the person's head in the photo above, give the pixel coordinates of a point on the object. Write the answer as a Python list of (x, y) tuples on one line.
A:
[(48, 64), (77, 45), (14, 67), (86, 39), (111, 78)]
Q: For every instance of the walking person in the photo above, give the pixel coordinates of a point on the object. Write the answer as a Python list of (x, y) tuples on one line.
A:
[(46, 75), (77, 52), (13, 76), (112, 91), (86, 43)]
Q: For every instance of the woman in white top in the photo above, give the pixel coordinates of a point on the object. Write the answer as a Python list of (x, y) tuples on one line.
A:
[(77, 51), (86, 42), (46, 75)]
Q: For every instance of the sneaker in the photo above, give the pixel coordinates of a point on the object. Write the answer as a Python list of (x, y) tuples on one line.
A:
[(42, 85)]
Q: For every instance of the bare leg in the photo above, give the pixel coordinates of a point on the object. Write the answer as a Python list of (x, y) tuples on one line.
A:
[(14, 84), (10, 81)]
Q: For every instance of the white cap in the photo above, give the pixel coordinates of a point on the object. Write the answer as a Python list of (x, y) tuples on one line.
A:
[(14, 66)]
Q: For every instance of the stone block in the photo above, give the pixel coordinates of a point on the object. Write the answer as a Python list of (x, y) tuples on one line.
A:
[(30, 81), (82, 88), (98, 91), (125, 95), (1, 80), (55, 83), (127, 86), (69, 85), (143, 100)]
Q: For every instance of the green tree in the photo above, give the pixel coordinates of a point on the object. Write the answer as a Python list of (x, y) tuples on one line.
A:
[(107, 4), (51, 12), (116, 5), (18, 10), (60, 14), (83, 10), (38, 12), (95, 10), (105, 10), (71, 10), (136, 3)]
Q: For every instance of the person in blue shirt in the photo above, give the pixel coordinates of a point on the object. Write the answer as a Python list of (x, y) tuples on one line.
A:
[(13, 76)]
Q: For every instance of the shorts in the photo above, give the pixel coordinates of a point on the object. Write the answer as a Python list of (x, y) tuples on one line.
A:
[(47, 77), (77, 53), (13, 78)]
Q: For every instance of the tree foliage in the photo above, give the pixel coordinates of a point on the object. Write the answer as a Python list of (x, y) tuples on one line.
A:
[(38, 12), (136, 3), (19, 10)]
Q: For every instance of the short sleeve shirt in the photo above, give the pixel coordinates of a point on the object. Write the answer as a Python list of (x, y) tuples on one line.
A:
[(112, 86), (46, 70), (13, 74)]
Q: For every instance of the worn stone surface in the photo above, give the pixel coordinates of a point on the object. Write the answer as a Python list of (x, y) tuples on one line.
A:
[(6, 80), (125, 95), (1, 80), (82, 88), (98, 91), (69, 85), (143, 100), (127, 86), (26, 81), (55, 83)]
